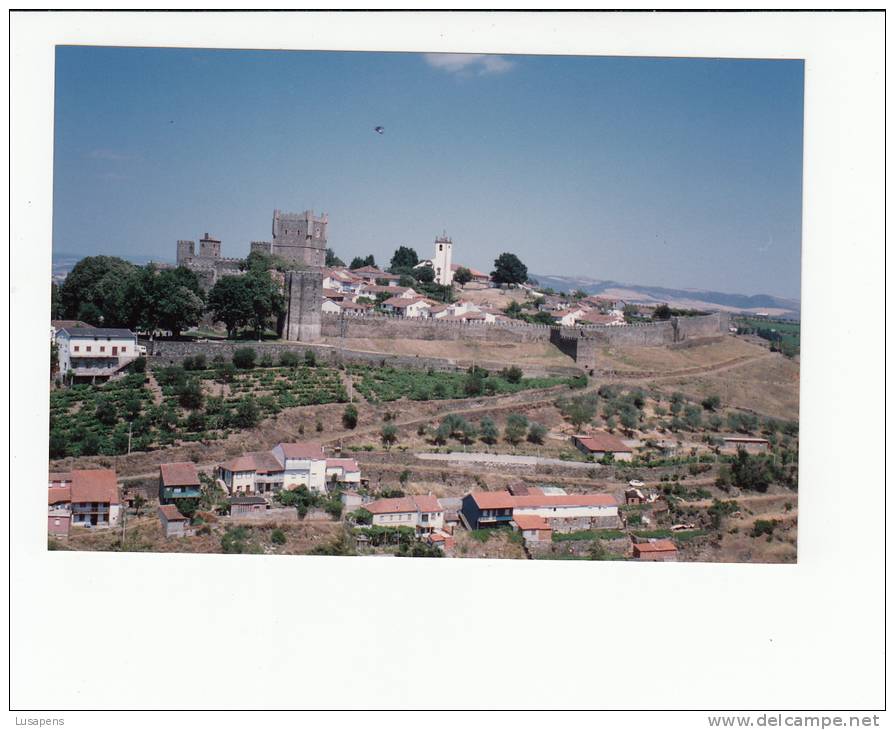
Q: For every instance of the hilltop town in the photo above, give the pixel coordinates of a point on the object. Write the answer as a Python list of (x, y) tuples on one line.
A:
[(288, 403)]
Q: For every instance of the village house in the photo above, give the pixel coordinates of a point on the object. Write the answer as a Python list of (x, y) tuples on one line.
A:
[(342, 280), (658, 550), (89, 496), (178, 480), (568, 317), (413, 307), (244, 505), (287, 466), (749, 444), (371, 291), (563, 512), (423, 513), (534, 528), (93, 352), (173, 523), (372, 275), (478, 277), (600, 443)]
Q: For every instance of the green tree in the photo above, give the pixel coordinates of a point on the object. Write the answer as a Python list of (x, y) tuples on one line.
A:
[(361, 516), (425, 274), (750, 473), (332, 259), (230, 301), (189, 395), (693, 416), (662, 312), (389, 435), (508, 269), (403, 260), (288, 359), (462, 276), (512, 374), (488, 430), (517, 425), (267, 300), (349, 416), (278, 537), (95, 291), (56, 309), (536, 433), (244, 358), (246, 414), (106, 413), (711, 403)]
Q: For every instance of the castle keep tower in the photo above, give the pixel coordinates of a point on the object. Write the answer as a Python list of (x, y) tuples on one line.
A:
[(441, 262), (303, 293), (300, 237)]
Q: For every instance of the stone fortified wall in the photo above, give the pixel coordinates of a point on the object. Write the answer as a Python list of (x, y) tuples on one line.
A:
[(415, 328)]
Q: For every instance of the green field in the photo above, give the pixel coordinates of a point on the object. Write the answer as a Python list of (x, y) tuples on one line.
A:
[(388, 384)]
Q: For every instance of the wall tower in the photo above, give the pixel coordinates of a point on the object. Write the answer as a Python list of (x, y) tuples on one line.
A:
[(300, 237)]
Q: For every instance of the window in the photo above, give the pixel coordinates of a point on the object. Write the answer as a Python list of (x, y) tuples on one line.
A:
[(102, 349), (88, 348), (441, 247), (124, 349), (77, 348)]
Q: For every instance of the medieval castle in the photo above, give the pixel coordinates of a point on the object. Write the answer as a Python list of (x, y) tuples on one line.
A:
[(298, 238)]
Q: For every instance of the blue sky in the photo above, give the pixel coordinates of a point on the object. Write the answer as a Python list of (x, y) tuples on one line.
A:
[(667, 172)]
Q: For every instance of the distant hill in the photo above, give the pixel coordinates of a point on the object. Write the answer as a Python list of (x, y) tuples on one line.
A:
[(682, 298)]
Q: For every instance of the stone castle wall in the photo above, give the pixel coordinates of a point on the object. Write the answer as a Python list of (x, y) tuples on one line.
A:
[(415, 328)]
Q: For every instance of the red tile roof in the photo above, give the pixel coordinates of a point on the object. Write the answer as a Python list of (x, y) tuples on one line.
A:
[(403, 302), (493, 500), (171, 513), (427, 503), (346, 464), (505, 500), (262, 462), (564, 500), (657, 546), (602, 441), (179, 474), (60, 476), (306, 450), (94, 485), (413, 503), (59, 494), (390, 506), (531, 522)]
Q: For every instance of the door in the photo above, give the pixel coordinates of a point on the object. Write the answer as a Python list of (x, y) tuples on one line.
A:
[(114, 350)]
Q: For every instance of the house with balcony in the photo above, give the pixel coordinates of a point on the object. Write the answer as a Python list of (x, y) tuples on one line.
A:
[(89, 497), (178, 480), (560, 512), (423, 513), (94, 353)]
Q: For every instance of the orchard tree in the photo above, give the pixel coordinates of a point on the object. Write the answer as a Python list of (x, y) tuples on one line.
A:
[(517, 425), (508, 269), (662, 312)]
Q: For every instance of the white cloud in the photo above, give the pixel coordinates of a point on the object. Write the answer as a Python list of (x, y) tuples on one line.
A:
[(469, 63)]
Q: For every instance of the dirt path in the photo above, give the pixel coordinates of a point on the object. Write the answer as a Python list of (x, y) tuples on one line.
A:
[(626, 375), (154, 388)]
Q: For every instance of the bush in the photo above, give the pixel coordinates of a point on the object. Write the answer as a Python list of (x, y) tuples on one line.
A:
[(536, 433), (389, 435), (711, 403), (266, 360), (189, 395), (289, 359), (244, 358), (764, 527), (246, 414), (139, 365), (517, 425), (512, 374), (489, 432), (349, 416), (106, 413), (310, 358), (278, 537)]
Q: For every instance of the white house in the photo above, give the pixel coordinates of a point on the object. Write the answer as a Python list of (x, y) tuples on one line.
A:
[(415, 307), (331, 307), (423, 513), (89, 496), (95, 352), (302, 464), (343, 471)]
